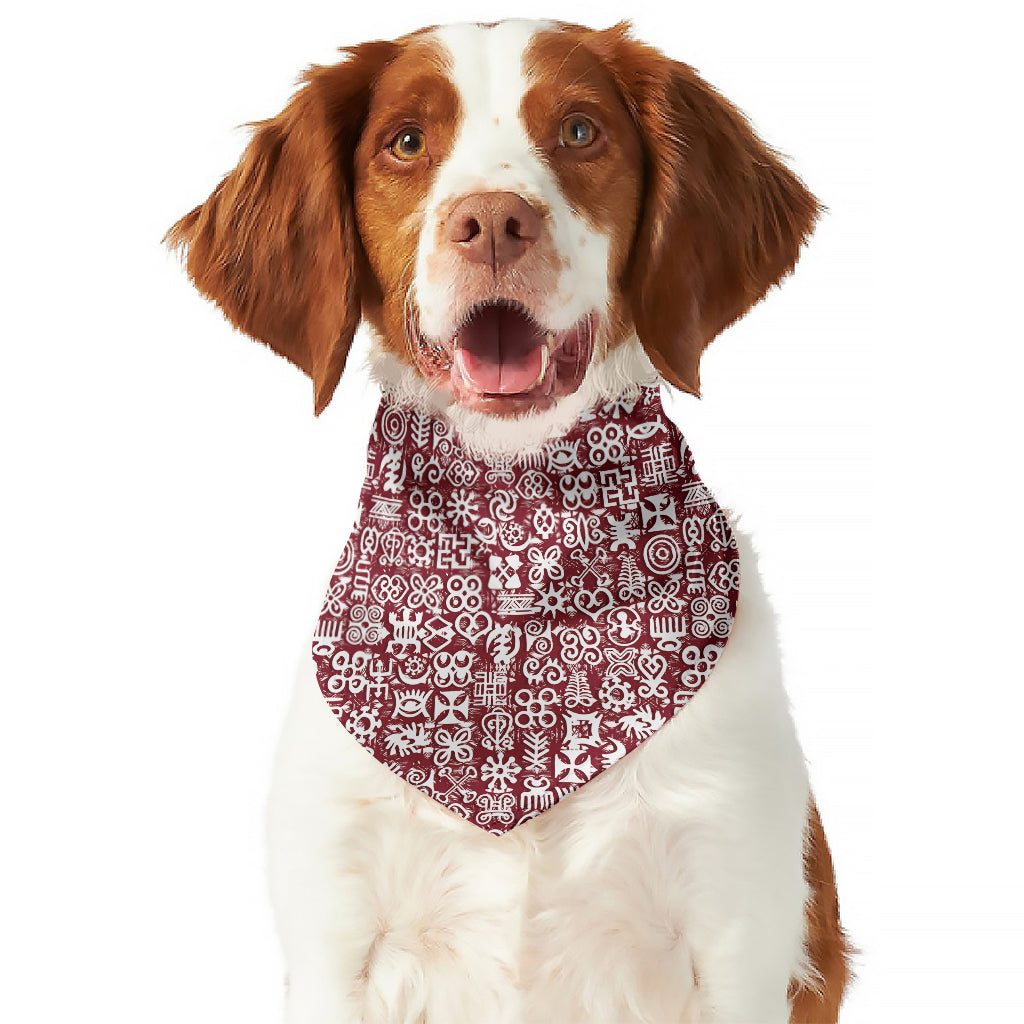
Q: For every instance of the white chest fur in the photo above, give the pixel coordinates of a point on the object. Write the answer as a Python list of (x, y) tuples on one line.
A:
[(636, 899)]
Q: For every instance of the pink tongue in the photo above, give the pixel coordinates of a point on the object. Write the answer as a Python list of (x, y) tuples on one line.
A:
[(501, 351)]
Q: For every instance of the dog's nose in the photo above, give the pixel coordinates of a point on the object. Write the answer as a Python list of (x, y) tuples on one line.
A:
[(493, 227)]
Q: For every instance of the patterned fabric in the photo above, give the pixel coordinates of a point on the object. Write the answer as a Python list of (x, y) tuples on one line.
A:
[(498, 630)]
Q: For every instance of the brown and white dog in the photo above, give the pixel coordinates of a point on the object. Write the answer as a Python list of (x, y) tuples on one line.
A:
[(607, 213)]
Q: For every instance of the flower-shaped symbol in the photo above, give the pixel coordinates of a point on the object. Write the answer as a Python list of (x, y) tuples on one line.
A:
[(425, 591), (664, 596), (453, 745), (462, 506), (499, 771), (335, 601), (545, 564)]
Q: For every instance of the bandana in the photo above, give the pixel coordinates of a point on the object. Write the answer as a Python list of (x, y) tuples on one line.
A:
[(500, 630)]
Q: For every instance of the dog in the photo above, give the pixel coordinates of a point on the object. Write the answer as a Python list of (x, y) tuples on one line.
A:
[(540, 224)]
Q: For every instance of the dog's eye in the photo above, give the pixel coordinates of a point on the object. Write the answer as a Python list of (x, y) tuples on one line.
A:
[(577, 132), (409, 144)]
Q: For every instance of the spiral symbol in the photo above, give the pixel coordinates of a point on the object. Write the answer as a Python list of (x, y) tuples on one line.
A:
[(710, 616), (662, 554), (348, 557), (389, 589), (393, 425)]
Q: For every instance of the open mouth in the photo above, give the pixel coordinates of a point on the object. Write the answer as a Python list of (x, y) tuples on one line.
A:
[(501, 350), (501, 358)]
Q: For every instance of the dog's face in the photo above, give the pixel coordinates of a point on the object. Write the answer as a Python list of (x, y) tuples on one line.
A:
[(506, 205), (497, 188)]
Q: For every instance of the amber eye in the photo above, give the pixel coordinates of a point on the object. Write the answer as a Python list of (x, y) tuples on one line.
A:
[(577, 132), (409, 144)]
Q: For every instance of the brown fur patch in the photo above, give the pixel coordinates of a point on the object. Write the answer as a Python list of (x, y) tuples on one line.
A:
[(723, 219), (275, 245), (390, 196), (828, 947), (604, 181)]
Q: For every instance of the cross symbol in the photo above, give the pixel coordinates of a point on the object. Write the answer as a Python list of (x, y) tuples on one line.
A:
[(576, 767), (602, 579), (658, 512), (459, 782)]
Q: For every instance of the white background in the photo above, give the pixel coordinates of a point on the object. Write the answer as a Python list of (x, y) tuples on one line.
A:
[(172, 507)]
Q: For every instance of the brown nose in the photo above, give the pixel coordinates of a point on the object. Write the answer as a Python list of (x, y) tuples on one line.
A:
[(493, 227)]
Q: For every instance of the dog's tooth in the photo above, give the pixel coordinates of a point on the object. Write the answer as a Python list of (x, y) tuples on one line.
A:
[(545, 359)]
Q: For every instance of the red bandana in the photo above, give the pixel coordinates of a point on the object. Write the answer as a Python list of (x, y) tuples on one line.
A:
[(500, 630)]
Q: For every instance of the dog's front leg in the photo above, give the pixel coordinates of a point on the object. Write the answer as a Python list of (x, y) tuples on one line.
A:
[(314, 883), (733, 780), (390, 908), (671, 887)]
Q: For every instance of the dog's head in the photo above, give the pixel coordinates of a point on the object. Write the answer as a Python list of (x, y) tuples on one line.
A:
[(506, 205)]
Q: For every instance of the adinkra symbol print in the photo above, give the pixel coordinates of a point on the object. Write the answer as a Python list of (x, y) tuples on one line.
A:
[(497, 632)]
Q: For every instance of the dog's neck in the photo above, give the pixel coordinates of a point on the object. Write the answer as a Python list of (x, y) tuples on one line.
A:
[(624, 370)]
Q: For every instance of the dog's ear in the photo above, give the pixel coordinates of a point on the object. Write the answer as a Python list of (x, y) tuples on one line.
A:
[(723, 219), (275, 245)]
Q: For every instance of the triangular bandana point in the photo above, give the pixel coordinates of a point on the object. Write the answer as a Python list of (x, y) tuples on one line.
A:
[(499, 631)]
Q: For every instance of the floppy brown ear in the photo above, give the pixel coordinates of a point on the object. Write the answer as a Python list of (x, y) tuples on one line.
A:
[(723, 219), (275, 245)]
